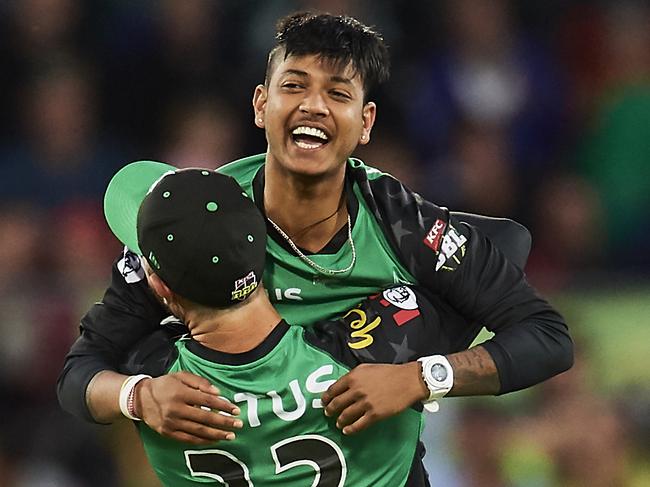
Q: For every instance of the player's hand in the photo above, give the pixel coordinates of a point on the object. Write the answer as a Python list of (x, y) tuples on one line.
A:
[(371, 392), (175, 405)]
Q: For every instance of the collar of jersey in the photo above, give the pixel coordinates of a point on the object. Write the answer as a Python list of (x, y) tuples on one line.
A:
[(263, 349)]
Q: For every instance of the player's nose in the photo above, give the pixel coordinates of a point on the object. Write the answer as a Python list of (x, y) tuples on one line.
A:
[(314, 103)]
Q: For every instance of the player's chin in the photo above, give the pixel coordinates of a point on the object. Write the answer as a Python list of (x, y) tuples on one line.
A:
[(311, 164)]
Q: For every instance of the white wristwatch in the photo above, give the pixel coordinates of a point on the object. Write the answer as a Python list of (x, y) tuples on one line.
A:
[(438, 376)]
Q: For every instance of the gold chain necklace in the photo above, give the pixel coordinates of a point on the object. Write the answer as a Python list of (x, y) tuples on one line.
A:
[(311, 263)]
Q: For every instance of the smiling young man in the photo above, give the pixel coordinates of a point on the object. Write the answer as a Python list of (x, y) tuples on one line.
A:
[(315, 112), (339, 231)]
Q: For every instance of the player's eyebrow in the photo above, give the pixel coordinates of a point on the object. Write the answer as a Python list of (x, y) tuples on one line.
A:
[(303, 74), (341, 79), (295, 72)]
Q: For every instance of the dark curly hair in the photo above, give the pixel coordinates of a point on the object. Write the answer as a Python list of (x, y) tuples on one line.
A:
[(337, 39)]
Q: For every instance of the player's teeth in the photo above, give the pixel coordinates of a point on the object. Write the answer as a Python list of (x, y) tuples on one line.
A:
[(314, 132), (305, 145)]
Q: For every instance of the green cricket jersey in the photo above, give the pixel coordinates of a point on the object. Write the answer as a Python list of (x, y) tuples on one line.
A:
[(287, 440), (292, 283)]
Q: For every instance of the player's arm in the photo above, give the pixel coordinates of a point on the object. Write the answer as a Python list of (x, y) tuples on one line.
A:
[(126, 313), (400, 324), (458, 263), (89, 384), (372, 392), (531, 342)]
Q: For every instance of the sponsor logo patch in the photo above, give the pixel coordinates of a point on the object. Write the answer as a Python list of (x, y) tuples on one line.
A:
[(452, 250), (244, 286), (402, 297), (432, 239), (130, 267), (360, 335)]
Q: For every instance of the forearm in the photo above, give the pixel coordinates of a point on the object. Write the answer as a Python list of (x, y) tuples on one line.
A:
[(82, 364), (108, 331), (475, 373), (102, 396)]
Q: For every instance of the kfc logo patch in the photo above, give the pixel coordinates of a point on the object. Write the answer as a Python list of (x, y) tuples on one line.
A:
[(434, 236), (244, 286)]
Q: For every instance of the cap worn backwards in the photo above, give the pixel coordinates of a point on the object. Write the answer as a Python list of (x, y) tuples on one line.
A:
[(197, 229)]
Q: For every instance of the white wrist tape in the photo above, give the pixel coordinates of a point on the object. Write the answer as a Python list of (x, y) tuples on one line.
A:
[(127, 395)]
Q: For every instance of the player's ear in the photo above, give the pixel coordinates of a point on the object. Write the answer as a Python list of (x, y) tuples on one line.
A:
[(259, 104), (368, 120), (159, 287)]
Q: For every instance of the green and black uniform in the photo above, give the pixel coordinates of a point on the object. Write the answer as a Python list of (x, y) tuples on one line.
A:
[(286, 439), (399, 238)]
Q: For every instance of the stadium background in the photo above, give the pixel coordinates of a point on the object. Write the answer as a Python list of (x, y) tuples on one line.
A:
[(539, 111)]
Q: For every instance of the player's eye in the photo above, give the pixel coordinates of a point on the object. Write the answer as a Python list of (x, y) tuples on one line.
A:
[(340, 94), (290, 85)]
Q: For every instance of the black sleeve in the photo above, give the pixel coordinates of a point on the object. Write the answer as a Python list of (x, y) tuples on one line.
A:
[(511, 238), (154, 353), (462, 268), (531, 341), (127, 312)]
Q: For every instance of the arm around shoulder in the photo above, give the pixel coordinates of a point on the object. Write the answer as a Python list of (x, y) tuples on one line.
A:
[(126, 313)]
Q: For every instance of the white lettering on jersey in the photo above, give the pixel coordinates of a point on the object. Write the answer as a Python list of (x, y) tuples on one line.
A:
[(313, 385), (451, 243), (298, 397), (251, 402), (289, 293), (316, 387), (130, 267)]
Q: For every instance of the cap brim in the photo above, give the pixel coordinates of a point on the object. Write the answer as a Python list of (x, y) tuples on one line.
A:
[(125, 194)]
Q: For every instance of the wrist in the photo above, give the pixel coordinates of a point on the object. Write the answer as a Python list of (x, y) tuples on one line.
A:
[(420, 389), (438, 375), (127, 395), (139, 391)]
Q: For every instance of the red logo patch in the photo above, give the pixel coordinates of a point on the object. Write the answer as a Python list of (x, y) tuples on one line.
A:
[(434, 237)]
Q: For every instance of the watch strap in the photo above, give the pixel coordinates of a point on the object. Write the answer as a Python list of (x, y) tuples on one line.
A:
[(438, 387)]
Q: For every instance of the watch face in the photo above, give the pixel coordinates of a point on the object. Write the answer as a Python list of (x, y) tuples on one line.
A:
[(439, 372)]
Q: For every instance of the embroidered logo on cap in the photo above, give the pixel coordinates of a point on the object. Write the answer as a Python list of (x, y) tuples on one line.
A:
[(244, 286)]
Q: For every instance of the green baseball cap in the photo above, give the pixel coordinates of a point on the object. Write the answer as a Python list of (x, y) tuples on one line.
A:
[(124, 195), (197, 229)]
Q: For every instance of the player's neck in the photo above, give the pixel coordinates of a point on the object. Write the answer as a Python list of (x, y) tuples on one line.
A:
[(238, 329), (309, 210)]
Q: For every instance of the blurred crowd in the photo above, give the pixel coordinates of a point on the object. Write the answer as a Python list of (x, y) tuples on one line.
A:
[(538, 111)]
